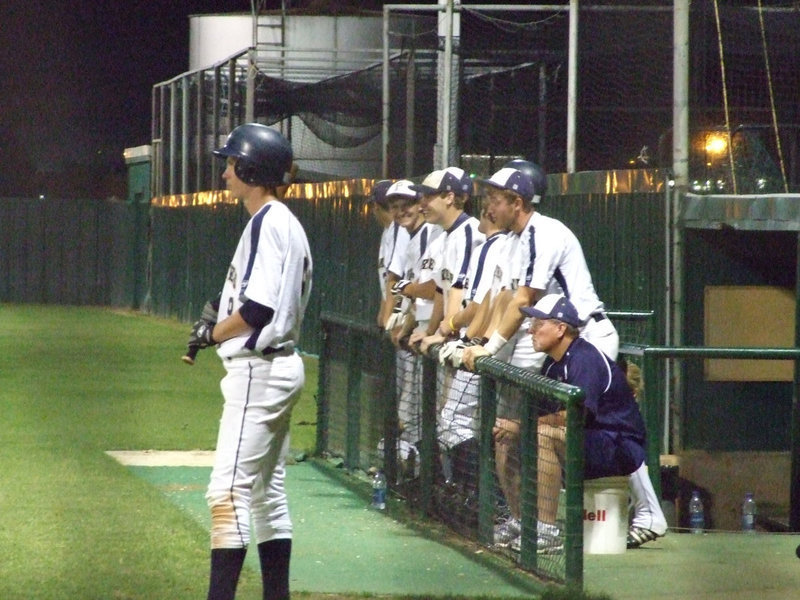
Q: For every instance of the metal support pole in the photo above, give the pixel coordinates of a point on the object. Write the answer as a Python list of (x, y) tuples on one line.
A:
[(652, 422), (447, 93), (216, 182), (794, 489), (680, 166), (390, 420), (411, 78), (250, 101), (572, 85), (323, 409), (200, 132), (173, 134), (385, 97), (541, 155), (352, 453)]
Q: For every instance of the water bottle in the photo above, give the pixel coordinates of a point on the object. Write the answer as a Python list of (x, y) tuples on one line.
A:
[(749, 513), (697, 520), (379, 491)]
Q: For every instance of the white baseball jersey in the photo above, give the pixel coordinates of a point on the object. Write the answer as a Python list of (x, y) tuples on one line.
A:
[(271, 266), (418, 264), (486, 260), (456, 252), (550, 258), (394, 240)]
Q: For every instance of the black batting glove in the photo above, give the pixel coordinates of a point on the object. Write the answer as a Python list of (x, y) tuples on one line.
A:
[(210, 310), (202, 334), (397, 288)]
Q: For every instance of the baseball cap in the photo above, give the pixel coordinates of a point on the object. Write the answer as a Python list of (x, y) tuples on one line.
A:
[(451, 179), (512, 180), (402, 188), (378, 192), (553, 306)]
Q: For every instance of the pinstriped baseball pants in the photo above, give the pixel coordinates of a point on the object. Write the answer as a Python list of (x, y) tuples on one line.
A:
[(247, 481)]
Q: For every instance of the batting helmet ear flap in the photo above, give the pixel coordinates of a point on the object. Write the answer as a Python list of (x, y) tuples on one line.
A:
[(246, 171)]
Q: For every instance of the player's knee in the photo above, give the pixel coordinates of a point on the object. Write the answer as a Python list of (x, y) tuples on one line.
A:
[(220, 502)]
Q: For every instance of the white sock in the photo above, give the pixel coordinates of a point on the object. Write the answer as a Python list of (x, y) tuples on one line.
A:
[(646, 507), (547, 529)]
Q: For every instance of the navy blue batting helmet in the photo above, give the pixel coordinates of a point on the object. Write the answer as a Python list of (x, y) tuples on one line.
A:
[(264, 156), (535, 172)]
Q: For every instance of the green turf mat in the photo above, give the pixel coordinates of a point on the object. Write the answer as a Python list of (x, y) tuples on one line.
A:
[(342, 546)]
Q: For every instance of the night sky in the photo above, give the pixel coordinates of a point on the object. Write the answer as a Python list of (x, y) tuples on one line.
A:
[(76, 82)]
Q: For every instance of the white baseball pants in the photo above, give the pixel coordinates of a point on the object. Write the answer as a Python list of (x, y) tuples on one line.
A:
[(247, 480)]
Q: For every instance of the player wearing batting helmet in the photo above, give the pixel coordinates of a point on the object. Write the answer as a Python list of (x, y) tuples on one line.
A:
[(261, 309)]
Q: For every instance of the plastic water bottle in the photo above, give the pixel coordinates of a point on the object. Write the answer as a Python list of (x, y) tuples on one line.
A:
[(379, 491), (697, 520), (749, 513)]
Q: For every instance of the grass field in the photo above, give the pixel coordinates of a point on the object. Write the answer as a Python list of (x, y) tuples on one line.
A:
[(74, 383)]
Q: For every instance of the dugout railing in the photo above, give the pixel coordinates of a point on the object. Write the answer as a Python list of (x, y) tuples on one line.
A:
[(655, 356), (357, 425)]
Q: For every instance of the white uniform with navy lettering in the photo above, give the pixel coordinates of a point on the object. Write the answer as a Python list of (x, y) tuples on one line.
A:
[(546, 255), (486, 261), (430, 263), (391, 253), (456, 252), (271, 266), (409, 364), (458, 419)]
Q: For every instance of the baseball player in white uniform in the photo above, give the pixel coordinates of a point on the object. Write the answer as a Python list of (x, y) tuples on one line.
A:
[(547, 259), (413, 305), (444, 193), (458, 420), (391, 251), (261, 311)]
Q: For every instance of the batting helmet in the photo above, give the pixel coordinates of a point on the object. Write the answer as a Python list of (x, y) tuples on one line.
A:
[(264, 156), (535, 172)]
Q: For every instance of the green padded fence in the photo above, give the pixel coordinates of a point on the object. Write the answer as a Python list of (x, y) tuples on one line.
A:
[(357, 421), (57, 251)]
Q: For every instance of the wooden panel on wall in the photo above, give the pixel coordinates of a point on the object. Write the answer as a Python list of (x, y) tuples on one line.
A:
[(749, 316)]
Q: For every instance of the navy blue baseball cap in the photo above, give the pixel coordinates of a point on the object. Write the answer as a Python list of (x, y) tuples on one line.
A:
[(553, 306), (512, 180), (451, 179), (378, 192)]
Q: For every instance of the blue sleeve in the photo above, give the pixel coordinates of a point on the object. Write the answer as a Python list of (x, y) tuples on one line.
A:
[(256, 315)]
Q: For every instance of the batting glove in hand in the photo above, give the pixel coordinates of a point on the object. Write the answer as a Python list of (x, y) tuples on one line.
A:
[(397, 288), (448, 351), (395, 320), (210, 310), (202, 334)]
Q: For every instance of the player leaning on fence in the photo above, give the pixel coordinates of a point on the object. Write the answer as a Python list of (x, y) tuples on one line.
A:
[(444, 195), (394, 239), (412, 308), (545, 258), (457, 426), (263, 300)]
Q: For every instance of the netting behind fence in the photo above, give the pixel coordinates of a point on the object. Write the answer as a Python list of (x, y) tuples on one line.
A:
[(507, 95)]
